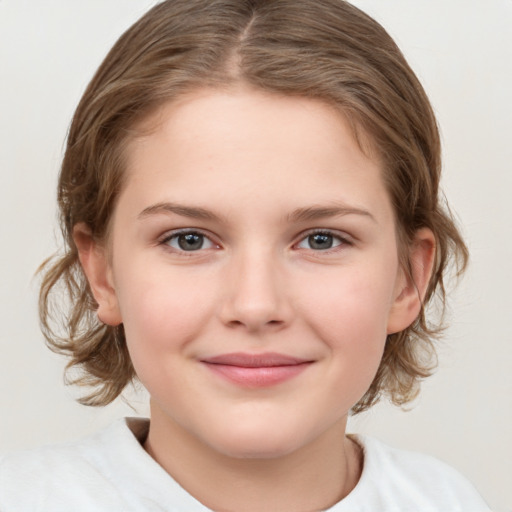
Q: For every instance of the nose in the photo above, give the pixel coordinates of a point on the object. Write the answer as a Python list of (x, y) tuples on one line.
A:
[(256, 297)]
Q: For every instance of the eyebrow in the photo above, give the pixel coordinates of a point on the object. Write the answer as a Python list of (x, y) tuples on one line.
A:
[(322, 212), (299, 215), (178, 209)]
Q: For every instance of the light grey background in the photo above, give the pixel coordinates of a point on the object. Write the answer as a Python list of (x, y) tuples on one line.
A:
[(461, 50)]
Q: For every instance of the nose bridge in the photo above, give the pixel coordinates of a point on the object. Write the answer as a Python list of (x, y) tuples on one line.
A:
[(255, 295)]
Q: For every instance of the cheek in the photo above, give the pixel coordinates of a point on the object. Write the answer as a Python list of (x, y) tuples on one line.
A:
[(349, 313), (352, 302), (162, 313)]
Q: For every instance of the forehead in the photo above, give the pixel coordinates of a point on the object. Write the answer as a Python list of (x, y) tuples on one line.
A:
[(237, 104), (216, 145)]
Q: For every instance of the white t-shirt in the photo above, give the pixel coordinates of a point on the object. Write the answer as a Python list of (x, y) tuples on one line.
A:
[(111, 471)]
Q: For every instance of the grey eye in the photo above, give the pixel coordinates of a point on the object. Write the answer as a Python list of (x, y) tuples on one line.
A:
[(189, 242), (320, 241)]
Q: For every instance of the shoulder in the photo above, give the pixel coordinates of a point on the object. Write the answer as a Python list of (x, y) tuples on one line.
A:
[(397, 480), (46, 478), (107, 471)]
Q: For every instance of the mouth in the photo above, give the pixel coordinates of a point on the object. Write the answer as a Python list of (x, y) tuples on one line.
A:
[(256, 370)]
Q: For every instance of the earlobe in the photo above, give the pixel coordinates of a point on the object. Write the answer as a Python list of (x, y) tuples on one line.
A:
[(94, 260), (411, 289)]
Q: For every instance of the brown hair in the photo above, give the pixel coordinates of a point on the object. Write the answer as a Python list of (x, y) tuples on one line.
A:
[(325, 49)]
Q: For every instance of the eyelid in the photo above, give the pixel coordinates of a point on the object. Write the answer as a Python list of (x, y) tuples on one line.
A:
[(169, 235), (346, 240)]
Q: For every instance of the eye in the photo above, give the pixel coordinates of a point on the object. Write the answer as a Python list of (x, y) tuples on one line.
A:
[(188, 241), (321, 241)]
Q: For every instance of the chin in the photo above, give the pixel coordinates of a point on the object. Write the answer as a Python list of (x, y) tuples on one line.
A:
[(260, 450), (257, 443)]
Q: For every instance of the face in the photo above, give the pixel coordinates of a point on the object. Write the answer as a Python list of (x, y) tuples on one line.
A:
[(254, 266)]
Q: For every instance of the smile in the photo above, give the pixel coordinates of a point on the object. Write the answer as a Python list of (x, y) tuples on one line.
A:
[(256, 370)]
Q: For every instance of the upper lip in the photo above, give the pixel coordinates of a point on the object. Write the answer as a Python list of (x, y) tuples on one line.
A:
[(245, 360)]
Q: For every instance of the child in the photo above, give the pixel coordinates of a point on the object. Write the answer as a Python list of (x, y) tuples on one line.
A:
[(249, 200)]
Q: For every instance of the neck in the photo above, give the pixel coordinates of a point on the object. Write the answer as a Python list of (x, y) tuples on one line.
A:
[(314, 477)]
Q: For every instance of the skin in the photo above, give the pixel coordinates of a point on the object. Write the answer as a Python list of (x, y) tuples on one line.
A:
[(254, 174)]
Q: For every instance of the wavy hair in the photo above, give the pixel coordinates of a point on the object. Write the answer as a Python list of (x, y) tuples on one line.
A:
[(324, 49)]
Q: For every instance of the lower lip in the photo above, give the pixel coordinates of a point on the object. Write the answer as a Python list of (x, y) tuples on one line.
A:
[(259, 377)]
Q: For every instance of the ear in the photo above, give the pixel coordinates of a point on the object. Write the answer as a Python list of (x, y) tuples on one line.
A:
[(94, 260), (410, 290)]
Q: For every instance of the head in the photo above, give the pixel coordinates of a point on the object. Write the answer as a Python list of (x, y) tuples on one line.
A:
[(323, 51)]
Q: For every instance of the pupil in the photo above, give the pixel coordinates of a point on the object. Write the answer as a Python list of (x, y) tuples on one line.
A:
[(320, 241), (190, 241)]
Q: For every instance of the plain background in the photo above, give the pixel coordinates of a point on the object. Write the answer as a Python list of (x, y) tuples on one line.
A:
[(462, 52)]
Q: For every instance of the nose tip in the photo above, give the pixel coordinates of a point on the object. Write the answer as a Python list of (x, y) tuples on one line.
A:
[(255, 298), (254, 321)]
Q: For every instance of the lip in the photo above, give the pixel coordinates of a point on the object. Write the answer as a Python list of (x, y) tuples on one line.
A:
[(256, 370)]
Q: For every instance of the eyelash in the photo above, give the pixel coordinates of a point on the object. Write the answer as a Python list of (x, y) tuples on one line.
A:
[(342, 239), (181, 232)]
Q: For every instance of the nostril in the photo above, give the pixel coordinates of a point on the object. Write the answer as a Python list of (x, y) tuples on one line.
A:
[(255, 325), (235, 323)]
